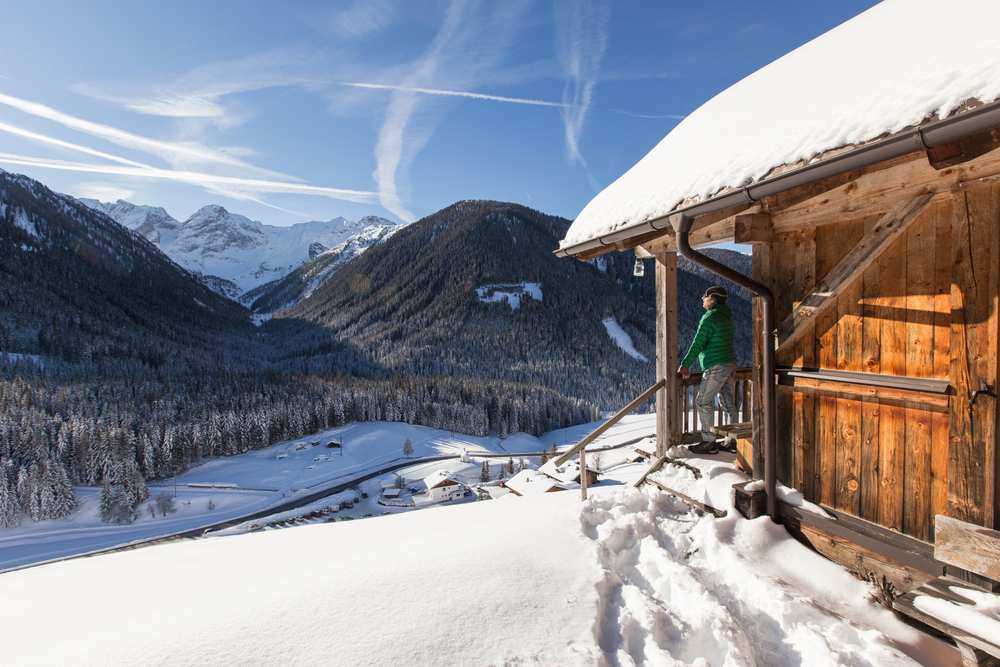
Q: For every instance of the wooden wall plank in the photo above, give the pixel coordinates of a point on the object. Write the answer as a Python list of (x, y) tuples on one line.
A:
[(804, 405), (829, 241), (973, 352), (943, 216), (892, 360), (871, 355), (849, 358), (920, 297)]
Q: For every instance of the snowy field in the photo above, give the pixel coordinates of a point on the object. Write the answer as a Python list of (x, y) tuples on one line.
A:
[(629, 577), (265, 478)]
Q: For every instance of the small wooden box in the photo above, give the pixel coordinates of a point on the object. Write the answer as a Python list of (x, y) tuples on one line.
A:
[(751, 504)]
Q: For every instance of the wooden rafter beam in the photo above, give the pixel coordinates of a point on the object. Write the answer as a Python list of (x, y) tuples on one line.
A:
[(889, 228), (752, 228), (707, 229)]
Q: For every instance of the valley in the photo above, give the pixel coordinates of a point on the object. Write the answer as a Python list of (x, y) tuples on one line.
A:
[(463, 321)]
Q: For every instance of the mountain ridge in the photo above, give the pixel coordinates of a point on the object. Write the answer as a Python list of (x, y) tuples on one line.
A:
[(231, 252)]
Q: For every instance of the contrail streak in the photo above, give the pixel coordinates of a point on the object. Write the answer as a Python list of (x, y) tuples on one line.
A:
[(192, 177), (453, 93)]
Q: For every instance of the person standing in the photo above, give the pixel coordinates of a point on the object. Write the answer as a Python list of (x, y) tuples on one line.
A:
[(713, 347)]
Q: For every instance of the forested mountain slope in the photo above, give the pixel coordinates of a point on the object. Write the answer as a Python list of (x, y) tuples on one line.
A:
[(287, 291), (475, 291), (77, 286)]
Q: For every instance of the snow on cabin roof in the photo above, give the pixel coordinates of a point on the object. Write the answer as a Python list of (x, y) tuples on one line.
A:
[(532, 482), (567, 472), (438, 478), (889, 68)]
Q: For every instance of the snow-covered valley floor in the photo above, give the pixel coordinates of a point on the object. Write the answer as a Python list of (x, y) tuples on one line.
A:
[(628, 577), (271, 477)]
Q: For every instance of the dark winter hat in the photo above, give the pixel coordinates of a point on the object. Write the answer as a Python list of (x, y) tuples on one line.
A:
[(718, 292)]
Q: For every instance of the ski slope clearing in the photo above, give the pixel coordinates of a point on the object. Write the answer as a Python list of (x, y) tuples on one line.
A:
[(233, 487), (629, 577), (622, 339)]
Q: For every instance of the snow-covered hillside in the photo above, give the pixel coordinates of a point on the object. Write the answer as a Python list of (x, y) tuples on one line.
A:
[(258, 480), (216, 243), (289, 290), (627, 578)]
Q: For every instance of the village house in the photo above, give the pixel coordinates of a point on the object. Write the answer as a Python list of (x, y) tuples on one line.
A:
[(441, 486), (863, 169), (569, 472), (530, 482)]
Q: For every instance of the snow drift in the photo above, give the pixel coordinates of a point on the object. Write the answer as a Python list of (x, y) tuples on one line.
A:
[(629, 577)]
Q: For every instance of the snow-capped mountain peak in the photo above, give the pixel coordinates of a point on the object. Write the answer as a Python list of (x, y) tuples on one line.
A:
[(152, 222), (225, 247)]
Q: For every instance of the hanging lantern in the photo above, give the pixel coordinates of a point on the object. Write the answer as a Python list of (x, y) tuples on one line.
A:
[(639, 270)]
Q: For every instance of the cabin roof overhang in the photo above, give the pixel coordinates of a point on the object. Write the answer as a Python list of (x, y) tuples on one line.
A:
[(922, 137)]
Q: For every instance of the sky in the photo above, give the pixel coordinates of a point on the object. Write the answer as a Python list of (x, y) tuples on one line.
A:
[(294, 111)]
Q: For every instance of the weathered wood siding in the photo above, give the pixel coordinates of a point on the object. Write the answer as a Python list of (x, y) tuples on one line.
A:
[(926, 309)]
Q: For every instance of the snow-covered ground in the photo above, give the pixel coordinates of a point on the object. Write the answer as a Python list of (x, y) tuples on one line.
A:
[(628, 577), (270, 477), (510, 293)]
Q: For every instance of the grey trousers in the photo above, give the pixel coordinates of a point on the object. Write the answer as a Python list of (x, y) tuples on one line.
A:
[(712, 382)]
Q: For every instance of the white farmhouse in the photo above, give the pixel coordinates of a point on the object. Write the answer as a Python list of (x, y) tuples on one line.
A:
[(442, 486)]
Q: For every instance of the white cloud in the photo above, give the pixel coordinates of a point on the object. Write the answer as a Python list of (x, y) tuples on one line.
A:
[(172, 152), (581, 39), (101, 191), (193, 178), (68, 145), (471, 41), (200, 92), (362, 18)]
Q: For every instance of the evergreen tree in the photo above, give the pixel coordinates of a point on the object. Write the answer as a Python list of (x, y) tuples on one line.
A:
[(484, 472), (107, 502), (10, 515)]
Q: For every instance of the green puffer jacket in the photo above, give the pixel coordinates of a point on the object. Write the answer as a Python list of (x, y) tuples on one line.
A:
[(713, 342)]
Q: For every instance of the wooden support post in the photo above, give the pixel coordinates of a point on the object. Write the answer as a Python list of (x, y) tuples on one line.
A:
[(889, 228), (583, 473), (668, 406), (761, 272)]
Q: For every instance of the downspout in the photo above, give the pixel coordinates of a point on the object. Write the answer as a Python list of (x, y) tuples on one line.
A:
[(682, 229)]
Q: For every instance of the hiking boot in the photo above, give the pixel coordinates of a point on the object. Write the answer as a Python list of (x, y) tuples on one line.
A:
[(704, 447)]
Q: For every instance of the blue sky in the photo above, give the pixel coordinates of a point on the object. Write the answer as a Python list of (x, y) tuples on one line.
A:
[(307, 110)]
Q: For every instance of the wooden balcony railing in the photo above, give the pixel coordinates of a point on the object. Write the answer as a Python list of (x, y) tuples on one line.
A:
[(687, 388), (740, 388)]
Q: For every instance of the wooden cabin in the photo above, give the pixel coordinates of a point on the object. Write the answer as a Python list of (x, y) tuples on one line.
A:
[(871, 202)]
